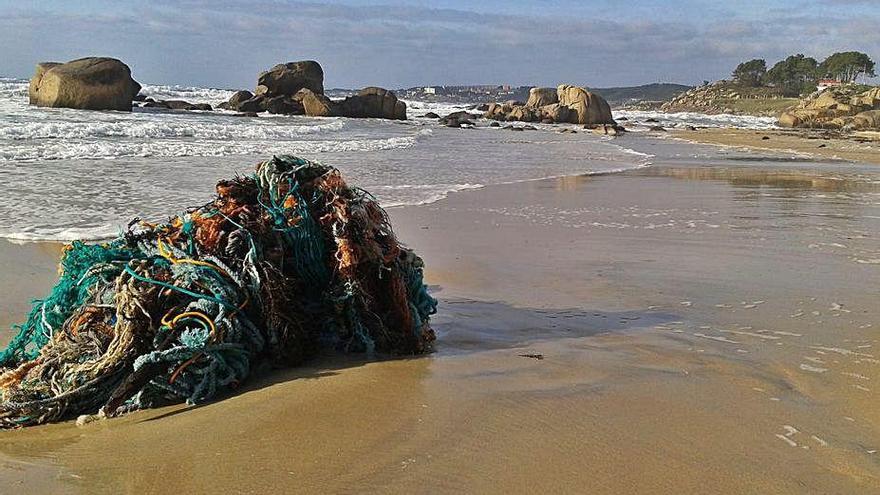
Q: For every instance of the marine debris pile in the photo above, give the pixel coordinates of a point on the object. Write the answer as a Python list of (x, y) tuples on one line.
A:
[(282, 264)]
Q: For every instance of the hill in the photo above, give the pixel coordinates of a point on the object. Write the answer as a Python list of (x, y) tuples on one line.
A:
[(729, 97), (644, 93)]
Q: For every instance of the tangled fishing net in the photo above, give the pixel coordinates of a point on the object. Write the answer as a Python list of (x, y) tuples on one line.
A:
[(281, 264)]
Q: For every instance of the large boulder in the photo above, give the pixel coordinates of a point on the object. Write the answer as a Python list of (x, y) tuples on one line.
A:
[(866, 120), (236, 100), (539, 97), (555, 112), (287, 79), (255, 104), (870, 99), (586, 107), (284, 105), (92, 83), (373, 102), (315, 105)]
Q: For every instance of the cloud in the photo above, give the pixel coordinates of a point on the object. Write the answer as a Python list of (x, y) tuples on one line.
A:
[(227, 42)]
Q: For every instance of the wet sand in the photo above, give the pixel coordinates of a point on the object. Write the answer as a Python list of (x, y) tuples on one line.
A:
[(701, 329), (862, 147)]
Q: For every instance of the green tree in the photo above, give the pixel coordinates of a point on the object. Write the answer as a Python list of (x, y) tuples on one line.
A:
[(847, 66), (750, 73), (795, 75)]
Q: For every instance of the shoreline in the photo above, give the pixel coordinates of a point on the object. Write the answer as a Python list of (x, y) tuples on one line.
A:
[(801, 141)]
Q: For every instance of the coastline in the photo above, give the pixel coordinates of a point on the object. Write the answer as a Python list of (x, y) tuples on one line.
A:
[(671, 362), (798, 141)]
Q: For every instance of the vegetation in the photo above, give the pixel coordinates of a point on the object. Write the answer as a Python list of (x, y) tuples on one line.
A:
[(750, 73), (848, 66), (795, 75), (798, 74)]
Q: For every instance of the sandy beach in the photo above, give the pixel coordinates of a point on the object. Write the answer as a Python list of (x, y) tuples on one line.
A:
[(860, 147), (692, 328)]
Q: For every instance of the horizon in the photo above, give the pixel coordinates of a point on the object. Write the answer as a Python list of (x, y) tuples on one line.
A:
[(406, 43)]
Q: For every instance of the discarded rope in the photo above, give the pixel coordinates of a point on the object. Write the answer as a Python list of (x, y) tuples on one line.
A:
[(279, 265)]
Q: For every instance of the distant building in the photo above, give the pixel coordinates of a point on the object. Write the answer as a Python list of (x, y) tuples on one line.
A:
[(429, 90), (823, 84)]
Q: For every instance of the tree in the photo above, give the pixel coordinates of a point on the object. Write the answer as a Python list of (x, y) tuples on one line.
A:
[(795, 75), (750, 73), (847, 66)]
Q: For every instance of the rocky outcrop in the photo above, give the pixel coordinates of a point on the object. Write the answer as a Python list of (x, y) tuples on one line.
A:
[(728, 97), (92, 83), (539, 97), (459, 119), (841, 108), (177, 105), (586, 108), (315, 105), (287, 79), (570, 104), (297, 88), (372, 102)]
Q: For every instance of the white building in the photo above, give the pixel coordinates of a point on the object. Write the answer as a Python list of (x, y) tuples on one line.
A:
[(429, 90)]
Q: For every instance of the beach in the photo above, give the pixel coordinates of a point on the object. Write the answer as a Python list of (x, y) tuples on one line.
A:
[(861, 147), (705, 324)]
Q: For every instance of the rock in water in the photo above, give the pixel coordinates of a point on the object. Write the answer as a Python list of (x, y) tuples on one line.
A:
[(565, 104), (588, 108), (373, 102), (315, 105), (92, 83), (236, 100), (287, 79)]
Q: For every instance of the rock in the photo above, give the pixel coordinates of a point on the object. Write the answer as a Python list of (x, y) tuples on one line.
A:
[(690, 128), (184, 105), (539, 97), (622, 119), (235, 101), (568, 131), (571, 104), (512, 128), (482, 108), (866, 120), (246, 114), (529, 128), (586, 107), (608, 130), (456, 118), (315, 105), (652, 120), (789, 119), (139, 97), (555, 112), (494, 124), (255, 104), (657, 128), (431, 115), (373, 102), (287, 79), (92, 83), (765, 138), (283, 105)]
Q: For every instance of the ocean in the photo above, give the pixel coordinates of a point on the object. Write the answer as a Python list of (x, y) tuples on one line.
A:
[(73, 174)]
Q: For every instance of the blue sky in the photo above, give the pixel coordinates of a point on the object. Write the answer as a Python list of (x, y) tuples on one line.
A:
[(398, 43)]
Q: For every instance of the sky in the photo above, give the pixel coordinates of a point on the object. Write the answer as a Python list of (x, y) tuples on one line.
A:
[(403, 43)]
